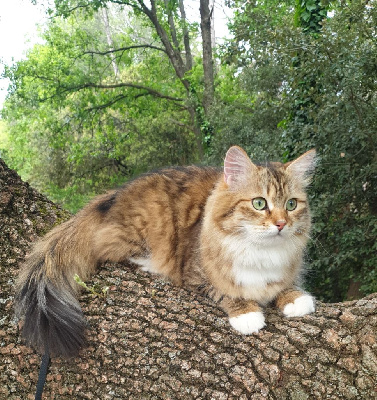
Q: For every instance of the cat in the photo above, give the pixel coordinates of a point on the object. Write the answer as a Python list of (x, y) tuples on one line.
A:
[(236, 234)]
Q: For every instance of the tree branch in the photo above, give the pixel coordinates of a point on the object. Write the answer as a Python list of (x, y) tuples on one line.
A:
[(173, 31), (186, 36), (140, 46), (108, 104), (119, 98), (205, 23), (173, 54), (149, 90), (150, 340)]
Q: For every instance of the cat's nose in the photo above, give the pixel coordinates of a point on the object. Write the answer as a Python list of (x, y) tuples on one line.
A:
[(280, 224)]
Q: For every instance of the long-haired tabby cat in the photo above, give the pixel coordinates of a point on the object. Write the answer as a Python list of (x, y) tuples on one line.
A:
[(237, 234)]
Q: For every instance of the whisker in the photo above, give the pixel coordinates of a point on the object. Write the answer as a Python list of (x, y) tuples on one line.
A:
[(317, 241)]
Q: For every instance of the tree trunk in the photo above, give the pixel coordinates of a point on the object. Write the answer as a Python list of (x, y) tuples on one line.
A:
[(105, 19), (186, 36), (150, 340), (206, 29), (173, 54), (180, 67), (173, 31)]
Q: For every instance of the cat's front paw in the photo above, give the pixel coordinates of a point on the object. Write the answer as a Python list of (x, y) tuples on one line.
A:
[(248, 323), (301, 306)]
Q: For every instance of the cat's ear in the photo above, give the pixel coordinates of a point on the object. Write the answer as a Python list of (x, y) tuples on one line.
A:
[(303, 167), (237, 166)]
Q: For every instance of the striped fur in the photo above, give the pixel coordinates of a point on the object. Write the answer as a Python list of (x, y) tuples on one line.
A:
[(195, 226)]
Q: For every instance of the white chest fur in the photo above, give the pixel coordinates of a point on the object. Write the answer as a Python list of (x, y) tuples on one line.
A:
[(256, 265)]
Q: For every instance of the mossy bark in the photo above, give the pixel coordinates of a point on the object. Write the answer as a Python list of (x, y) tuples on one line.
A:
[(150, 340)]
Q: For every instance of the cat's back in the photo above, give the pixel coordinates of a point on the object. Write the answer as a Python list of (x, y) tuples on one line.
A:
[(182, 191), (174, 182)]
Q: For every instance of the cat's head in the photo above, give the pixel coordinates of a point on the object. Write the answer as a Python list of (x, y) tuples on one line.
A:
[(266, 204)]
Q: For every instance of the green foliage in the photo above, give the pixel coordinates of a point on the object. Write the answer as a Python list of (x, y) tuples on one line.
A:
[(3, 137), (75, 128), (342, 110), (95, 291), (310, 14), (289, 80), (325, 99)]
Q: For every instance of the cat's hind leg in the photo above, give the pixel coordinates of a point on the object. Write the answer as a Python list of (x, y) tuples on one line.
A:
[(245, 316), (295, 303)]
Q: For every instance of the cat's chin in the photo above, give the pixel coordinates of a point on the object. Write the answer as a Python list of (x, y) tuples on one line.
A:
[(270, 236), (271, 239)]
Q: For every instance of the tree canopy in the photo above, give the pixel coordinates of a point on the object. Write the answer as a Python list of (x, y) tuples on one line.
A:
[(120, 87)]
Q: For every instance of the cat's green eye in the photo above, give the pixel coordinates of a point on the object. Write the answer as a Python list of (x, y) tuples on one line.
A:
[(259, 203), (291, 204)]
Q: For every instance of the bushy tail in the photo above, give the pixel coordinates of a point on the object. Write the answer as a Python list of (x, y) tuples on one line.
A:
[(53, 319), (46, 292)]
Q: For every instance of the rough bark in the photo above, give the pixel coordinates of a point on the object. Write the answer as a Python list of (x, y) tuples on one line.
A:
[(150, 340)]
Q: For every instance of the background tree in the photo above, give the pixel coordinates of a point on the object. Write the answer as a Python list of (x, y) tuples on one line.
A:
[(96, 121), (170, 29)]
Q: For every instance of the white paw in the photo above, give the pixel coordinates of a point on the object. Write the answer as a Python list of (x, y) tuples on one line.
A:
[(301, 306), (248, 323)]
